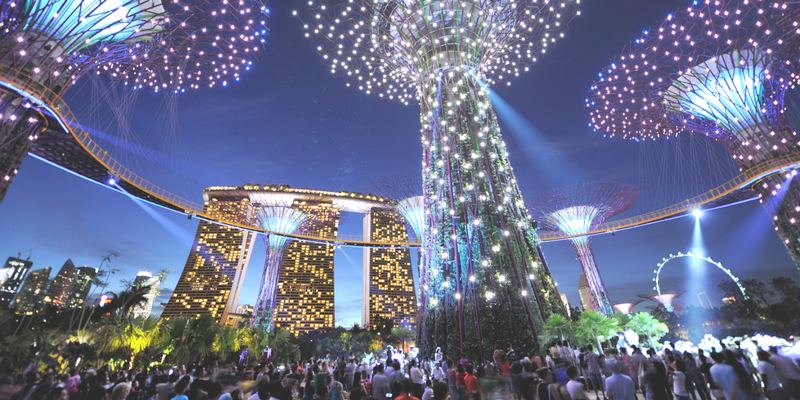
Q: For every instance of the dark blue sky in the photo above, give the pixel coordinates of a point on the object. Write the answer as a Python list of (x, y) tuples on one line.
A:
[(290, 121)]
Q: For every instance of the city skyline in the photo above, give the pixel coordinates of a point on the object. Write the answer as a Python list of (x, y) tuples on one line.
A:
[(96, 219)]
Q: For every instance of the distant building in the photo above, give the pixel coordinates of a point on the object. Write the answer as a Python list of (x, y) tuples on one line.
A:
[(388, 282), (585, 293), (305, 281), (11, 277), (31, 295), (71, 286), (728, 300), (566, 304), (214, 272), (146, 278)]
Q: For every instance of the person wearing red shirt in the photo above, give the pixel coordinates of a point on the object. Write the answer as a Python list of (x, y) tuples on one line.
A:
[(460, 375), (471, 382)]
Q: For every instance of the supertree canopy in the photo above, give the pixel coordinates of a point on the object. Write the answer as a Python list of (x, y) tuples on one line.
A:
[(625, 307), (721, 69), (478, 244), (46, 45), (665, 298), (576, 210), (275, 219)]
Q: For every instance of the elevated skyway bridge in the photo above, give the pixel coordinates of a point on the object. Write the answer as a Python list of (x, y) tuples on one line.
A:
[(65, 144)]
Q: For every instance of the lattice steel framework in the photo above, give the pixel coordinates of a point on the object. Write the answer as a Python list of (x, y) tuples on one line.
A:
[(578, 209), (478, 245), (665, 298), (155, 44), (278, 219), (721, 69)]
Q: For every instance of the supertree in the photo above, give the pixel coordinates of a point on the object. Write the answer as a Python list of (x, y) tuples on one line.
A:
[(625, 307), (46, 45), (478, 246), (405, 187), (276, 219), (720, 69), (665, 298), (576, 210)]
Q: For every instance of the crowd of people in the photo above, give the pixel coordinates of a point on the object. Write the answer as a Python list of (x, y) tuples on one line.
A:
[(561, 373)]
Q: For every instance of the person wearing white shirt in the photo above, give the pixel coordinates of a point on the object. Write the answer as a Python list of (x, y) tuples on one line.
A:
[(788, 373), (428, 394), (679, 380), (575, 389), (438, 373), (772, 388), (417, 381)]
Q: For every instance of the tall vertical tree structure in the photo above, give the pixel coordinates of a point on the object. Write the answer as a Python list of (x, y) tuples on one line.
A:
[(478, 244), (720, 69), (576, 210), (627, 306), (46, 45), (275, 219)]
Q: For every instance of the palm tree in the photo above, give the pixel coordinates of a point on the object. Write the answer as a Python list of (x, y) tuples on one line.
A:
[(403, 334), (559, 327), (229, 340), (186, 339), (281, 343), (127, 333), (256, 340), (644, 324), (593, 325)]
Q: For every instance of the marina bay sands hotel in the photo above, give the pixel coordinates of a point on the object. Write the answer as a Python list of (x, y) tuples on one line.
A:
[(218, 260)]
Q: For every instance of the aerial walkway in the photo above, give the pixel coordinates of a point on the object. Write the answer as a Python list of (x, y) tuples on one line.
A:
[(65, 144)]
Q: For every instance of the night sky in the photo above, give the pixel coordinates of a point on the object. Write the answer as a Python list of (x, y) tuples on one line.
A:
[(289, 120)]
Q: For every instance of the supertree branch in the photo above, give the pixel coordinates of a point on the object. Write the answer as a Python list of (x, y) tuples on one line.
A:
[(626, 307), (720, 69), (397, 186), (156, 45), (390, 47), (666, 299), (276, 219), (576, 210)]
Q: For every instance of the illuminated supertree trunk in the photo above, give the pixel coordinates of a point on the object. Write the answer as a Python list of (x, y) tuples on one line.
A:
[(481, 273), (48, 44), (721, 69), (276, 219), (481, 248), (576, 210)]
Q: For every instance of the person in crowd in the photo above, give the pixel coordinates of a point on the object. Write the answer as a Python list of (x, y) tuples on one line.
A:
[(471, 384), (417, 380), (772, 388), (380, 384), (546, 390), (745, 383), (694, 378), (309, 391), (787, 371), (357, 389), (618, 385), (652, 380), (679, 379), (349, 370), (460, 373), (437, 373), (183, 385), (405, 389), (595, 371), (726, 378), (452, 381), (427, 394), (336, 390), (440, 390), (637, 361), (486, 383), (58, 393), (576, 389)]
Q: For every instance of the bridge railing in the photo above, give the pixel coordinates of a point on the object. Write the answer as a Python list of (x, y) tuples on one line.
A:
[(35, 90)]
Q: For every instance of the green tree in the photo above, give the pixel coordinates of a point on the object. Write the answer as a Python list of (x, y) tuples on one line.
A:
[(558, 327), (402, 334), (228, 340), (645, 325), (187, 339), (593, 325), (282, 344), (127, 333)]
